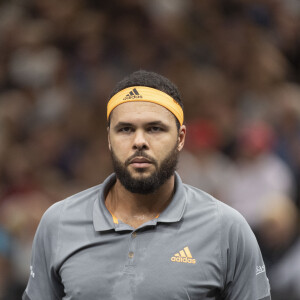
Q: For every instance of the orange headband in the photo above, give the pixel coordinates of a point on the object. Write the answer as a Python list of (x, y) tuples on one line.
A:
[(144, 93)]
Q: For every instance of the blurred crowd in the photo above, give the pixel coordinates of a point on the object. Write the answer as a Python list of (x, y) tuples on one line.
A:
[(237, 65)]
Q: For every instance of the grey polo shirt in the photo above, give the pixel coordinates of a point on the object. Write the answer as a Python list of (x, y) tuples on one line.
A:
[(197, 248)]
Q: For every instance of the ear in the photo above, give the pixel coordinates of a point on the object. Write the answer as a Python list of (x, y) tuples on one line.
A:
[(181, 137), (108, 138)]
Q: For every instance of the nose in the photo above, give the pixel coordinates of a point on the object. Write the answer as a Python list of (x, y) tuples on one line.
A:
[(140, 142)]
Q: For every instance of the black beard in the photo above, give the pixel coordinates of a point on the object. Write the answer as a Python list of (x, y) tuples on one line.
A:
[(148, 184)]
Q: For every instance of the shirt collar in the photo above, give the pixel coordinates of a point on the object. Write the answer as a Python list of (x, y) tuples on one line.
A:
[(175, 210), (103, 219)]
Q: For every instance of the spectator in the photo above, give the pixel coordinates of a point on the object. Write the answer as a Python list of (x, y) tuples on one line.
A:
[(258, 174)]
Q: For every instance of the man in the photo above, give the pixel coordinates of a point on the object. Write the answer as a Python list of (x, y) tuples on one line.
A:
[(142, 233)]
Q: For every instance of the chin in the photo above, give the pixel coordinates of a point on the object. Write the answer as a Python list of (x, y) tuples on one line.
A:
[(141, 172)]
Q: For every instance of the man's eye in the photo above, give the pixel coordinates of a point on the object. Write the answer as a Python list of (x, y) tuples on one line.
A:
[(155, 129), (125, 129)]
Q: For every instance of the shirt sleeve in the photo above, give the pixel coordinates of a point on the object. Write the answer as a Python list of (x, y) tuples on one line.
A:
[(44, 282), (244, 270)]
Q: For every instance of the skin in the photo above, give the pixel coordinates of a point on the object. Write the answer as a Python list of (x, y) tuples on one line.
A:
[(152, 128)]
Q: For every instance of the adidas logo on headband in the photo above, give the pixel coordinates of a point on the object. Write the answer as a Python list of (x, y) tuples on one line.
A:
[(133, 94)]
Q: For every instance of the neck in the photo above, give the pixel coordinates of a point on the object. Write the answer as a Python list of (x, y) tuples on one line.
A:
[(136, 209)]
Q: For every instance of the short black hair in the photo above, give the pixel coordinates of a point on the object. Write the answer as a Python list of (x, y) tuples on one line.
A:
[(149, 79)]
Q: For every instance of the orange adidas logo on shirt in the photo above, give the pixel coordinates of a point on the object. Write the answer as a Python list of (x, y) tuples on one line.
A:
[(184, 256)]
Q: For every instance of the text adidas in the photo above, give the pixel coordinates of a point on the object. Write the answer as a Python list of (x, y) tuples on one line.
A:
[(132, 97), (183, 259)]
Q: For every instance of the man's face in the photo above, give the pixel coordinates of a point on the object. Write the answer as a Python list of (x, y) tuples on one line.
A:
[(144, 143)]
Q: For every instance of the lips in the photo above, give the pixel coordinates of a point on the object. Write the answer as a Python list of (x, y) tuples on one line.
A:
[(140, 162)]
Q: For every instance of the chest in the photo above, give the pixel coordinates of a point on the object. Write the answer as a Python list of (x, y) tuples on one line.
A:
[(164, 263)]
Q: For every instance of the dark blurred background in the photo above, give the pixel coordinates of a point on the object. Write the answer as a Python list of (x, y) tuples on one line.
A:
[(236, 63)]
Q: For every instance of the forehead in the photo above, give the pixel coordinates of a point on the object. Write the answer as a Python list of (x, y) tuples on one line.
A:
[(141, 111)]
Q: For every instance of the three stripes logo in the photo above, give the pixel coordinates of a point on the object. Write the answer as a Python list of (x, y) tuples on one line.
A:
[(184, 256), (133, 94)]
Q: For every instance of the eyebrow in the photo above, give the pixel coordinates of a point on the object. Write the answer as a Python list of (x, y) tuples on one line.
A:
[(122, 124), (154, 123), (157, 123)]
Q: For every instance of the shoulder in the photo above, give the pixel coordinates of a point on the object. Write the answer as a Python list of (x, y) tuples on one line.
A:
[(200, 200), (215, 213), (83, 197), (73, 206)]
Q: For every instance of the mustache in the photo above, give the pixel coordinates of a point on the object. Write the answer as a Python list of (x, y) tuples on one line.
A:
[(140, 153)]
